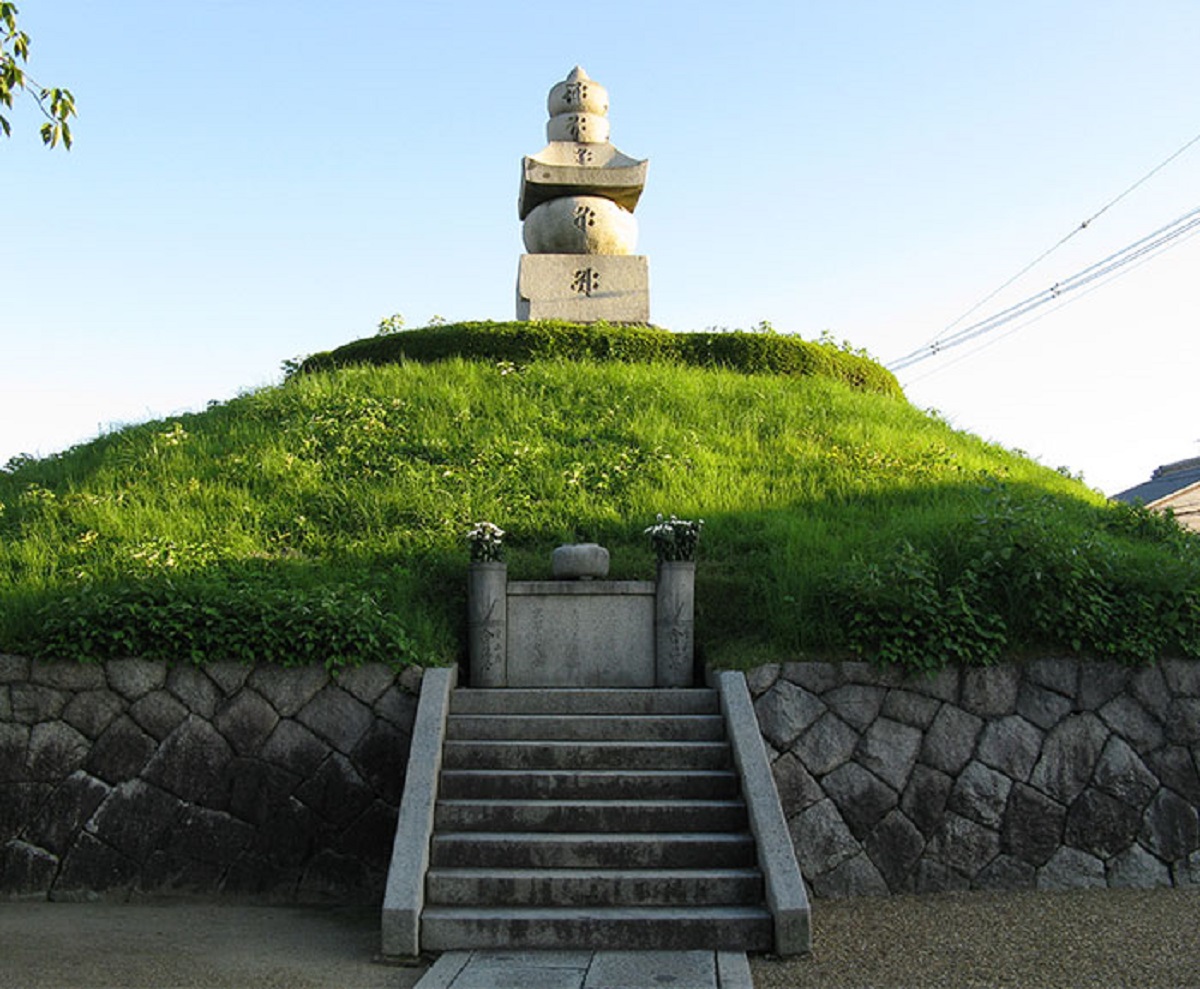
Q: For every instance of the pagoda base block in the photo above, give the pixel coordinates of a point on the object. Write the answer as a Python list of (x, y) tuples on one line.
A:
[(584, 288)]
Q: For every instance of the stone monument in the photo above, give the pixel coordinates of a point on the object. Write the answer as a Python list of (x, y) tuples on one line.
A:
[(577, 200)]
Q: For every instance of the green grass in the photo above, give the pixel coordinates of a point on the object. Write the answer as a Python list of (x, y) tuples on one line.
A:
[(760, 351), (324, 520)]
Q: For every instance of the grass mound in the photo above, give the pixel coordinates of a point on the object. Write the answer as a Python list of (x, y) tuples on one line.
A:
[(519, 343), (324, 520)]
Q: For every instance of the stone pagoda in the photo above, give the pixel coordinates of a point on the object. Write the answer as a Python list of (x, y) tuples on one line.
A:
[(577, 200)]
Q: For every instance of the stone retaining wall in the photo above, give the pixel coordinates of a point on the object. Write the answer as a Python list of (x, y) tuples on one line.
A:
[(1049, 775), (131, 777)]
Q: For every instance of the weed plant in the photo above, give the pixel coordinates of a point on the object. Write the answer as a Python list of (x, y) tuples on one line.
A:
[(324, 520)]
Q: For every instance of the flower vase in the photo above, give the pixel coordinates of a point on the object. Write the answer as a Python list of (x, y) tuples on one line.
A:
[(675, 602), (487, 624)]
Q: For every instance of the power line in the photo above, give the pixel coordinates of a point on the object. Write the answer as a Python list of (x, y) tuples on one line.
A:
[(1152, 243), (1079, 229), (991, 342)]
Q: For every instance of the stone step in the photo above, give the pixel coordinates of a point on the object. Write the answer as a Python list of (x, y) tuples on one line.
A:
[(490, 754), (587, 727), (724, 928), (650, 784), (594, 887), (512, 700), (543, 850), (589, 815), (591, 819)]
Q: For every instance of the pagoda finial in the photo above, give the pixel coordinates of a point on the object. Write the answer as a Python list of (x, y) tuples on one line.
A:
[(578, 108)]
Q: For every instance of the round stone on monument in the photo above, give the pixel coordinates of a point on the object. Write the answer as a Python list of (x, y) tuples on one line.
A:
[(579, 561), (580, 225)]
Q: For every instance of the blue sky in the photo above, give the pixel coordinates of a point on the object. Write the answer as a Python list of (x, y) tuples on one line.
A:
[(257, 180)]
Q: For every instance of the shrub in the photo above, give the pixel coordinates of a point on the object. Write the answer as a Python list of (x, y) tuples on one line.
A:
[(519, 343), (901, 611), (1031, 573), (213, 620)]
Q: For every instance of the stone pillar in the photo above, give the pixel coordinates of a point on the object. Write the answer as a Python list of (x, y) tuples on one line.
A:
[(487, 624), (674, 622), (577, 200)]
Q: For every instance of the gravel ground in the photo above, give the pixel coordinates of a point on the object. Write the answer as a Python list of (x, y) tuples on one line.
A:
[(1110, 938)]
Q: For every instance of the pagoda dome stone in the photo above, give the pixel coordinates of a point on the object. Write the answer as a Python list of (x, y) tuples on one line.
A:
[(580, 225)]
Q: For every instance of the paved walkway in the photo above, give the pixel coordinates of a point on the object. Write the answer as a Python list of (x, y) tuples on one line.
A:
[(589, 970)]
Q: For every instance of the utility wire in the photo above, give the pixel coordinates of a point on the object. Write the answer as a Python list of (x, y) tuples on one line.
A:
[(1149, 244), (1079, 229), (986, 344)]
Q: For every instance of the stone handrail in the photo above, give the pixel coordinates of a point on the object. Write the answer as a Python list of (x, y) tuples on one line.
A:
[(786, 896), (405, 894)]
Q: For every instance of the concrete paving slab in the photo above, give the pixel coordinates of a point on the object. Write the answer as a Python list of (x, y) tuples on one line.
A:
[(589, 970), (525, 969), (733, 970), (445, 970), (503, 976), (652, 970)]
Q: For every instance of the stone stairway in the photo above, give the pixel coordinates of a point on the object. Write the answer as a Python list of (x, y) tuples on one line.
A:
[(591, 819)]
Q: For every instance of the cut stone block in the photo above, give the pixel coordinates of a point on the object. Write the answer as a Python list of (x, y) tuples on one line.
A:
[(856, 704), (980, 794), (26, 869), (889, 750), (581, 634), (134, 678), (1136, 868), (862, 798), (639, 928), (1070, 868), (950, 740), (785, 712), (963, 845), (1006, 873), (1033, 825), (55, 751), (584, 288), (1101, 824), (1069, 757), (856, 876), (826, 745), (895, 847), (66, 811)]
